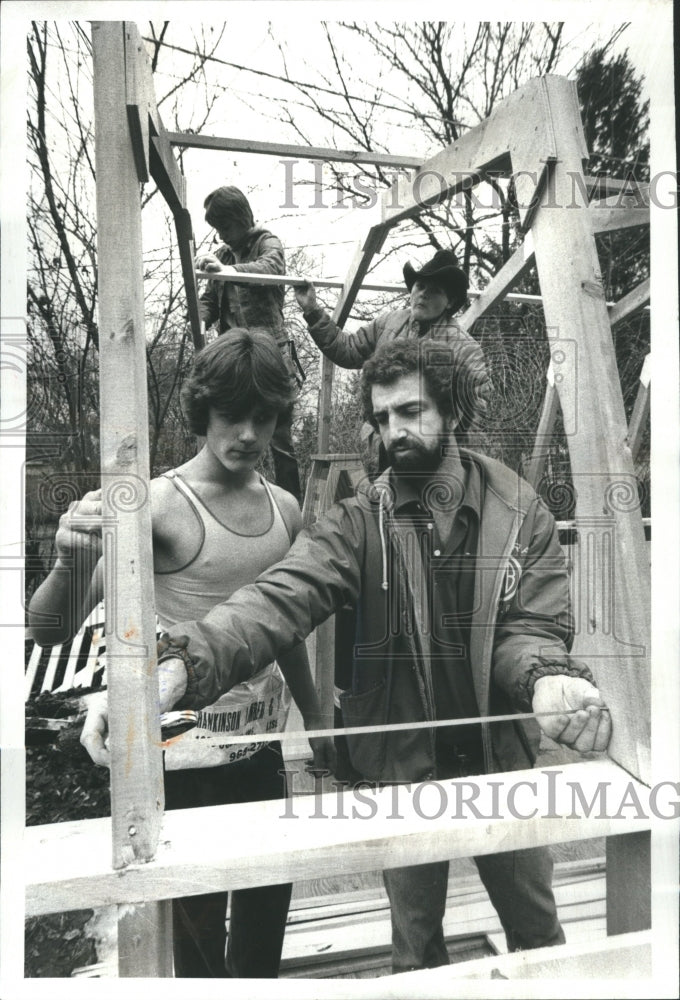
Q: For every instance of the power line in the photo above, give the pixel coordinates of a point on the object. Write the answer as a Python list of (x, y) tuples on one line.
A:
[(330, 90), (300, 83)]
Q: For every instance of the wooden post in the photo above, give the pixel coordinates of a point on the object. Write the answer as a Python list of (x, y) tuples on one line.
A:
[(325, 633), (355, 275), (631, 303), (546, 424), (615, 636), (640, 414), (510, 273), (145, 940), (136, 766), (629, 874)]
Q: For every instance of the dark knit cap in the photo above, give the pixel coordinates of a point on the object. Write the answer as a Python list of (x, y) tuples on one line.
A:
[(228, 204)]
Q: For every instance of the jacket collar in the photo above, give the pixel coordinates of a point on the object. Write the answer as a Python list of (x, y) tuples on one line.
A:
[(246, 244)]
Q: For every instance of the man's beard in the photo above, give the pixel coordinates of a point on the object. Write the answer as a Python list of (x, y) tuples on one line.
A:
[(408, 455)]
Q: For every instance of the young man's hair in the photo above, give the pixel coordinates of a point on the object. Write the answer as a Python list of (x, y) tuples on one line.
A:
[(452, 373), (240, 371), (226, 204)]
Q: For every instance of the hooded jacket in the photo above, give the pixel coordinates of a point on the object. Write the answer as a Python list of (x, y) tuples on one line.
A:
[(355, 555)]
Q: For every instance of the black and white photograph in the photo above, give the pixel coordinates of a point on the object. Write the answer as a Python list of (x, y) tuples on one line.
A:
[(340, 433)]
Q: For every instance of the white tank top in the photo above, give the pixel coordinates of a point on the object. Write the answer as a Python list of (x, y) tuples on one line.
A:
[(226, 560)]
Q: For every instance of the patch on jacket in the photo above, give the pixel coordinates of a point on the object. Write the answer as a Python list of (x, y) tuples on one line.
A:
[(512, 578)]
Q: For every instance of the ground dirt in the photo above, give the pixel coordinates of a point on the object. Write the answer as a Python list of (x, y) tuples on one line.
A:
[(62, 783)]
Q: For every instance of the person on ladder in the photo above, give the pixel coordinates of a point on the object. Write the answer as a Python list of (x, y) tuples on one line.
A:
[(437, 292), (252, 249), (216, 524)]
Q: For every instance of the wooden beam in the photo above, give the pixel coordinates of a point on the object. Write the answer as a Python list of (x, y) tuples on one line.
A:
[(136, 772), (295, 281), (190, 140), (137, 98), (510, 273), (351, 285), (609, 214), (614, 633), (627, 959), (519, 131), (354, 281), (185, 241), (145, 940), (154, 157), (605, 217), (278, 841), (546, 426), (146, 124), (631, 303), (166, 173), (640, 414), (136, 761), (629, 877)]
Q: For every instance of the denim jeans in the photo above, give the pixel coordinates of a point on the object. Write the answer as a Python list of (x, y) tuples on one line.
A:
[(519, 886), (258, 916)]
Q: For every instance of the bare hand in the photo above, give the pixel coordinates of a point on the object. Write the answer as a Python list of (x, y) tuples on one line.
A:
[(589, 728), (209, 262), (306, 296), (325, 757), (80, 528), (172, 683), (95, 734)]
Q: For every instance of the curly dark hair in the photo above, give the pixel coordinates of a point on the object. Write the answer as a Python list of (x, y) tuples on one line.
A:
[(454, 374), (240, 370)]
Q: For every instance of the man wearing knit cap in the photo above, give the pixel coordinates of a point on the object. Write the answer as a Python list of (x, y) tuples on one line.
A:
[(250, 248)]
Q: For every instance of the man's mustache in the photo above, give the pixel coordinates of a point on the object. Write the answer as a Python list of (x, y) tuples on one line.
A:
[(404, 444)]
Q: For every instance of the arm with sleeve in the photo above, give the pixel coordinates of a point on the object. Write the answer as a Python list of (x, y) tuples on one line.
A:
[(320, 573), (270, 258), (534, 637), (209, 300), (348, 350)]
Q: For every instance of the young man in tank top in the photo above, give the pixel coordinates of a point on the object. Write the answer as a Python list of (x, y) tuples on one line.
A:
[(217, 524)]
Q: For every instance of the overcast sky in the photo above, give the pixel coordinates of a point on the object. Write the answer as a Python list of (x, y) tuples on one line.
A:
[(256, 37)]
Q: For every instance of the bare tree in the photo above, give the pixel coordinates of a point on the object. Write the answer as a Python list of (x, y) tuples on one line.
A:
[(437, 79), (62, 272), (62, 267)]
